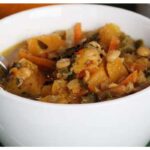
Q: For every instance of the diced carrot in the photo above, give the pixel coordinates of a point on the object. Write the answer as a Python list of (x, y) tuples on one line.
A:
[(77, 33), (130, 78), (114, 43), (41, 62)]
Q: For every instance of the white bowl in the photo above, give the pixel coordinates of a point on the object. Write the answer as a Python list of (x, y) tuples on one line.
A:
[(121, 122)]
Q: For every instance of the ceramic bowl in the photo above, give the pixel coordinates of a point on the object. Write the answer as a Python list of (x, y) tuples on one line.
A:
[(121, 122)]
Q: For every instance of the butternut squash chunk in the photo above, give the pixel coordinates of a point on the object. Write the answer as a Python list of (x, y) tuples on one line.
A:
[(116, 70)]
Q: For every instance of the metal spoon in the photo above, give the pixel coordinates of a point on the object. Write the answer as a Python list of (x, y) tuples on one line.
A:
[(3, 66)]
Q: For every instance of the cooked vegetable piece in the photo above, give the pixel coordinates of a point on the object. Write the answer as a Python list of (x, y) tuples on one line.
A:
[(59, 87), (131, 78), (86, 59), (45, 44), (140, 64), (97, 78), (112, 55), (114, 43), (26, 80), (69, 38), (55, 99), (127, 44), (42, 62), (46, 90), (76, 87), (116, 70), (107, 33), (118, 91), (90, 98), (77, 33), (143, 51), (141, 77), (63, 63)]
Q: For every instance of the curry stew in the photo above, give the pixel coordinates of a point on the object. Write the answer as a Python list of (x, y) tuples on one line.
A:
[(72, 66)]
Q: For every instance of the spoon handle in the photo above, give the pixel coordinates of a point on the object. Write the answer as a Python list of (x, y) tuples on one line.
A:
[(3, 66)]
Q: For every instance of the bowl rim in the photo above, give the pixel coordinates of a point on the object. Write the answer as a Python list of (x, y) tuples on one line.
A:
[(109, 102)]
